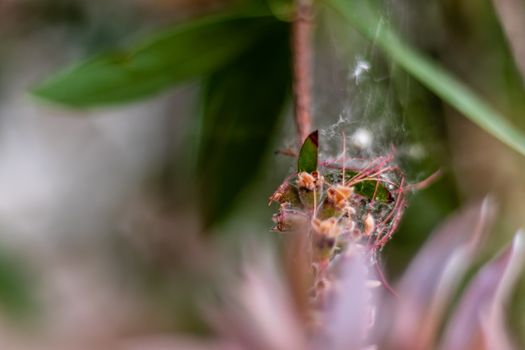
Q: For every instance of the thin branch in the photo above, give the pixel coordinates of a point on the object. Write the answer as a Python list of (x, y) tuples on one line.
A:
[(426, 182), (384, 281), (301, 39), (286, 152)]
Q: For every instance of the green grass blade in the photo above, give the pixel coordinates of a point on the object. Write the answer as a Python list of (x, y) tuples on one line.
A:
[(429, 73)]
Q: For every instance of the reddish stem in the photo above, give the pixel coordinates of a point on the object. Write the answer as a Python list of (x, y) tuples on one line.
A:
[(301, 38), (426, 182), (384, 281)]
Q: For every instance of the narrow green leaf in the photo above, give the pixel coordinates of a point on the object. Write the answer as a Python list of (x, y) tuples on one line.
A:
[(242, 104), (362, 16), (307, 160), (180, 54)]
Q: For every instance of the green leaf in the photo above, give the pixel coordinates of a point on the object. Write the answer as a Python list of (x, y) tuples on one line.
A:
[(307, 160), (242, 105), (362, 15), (365, 188), (185, 52), (282, 9), (16, 296), (368, 188)]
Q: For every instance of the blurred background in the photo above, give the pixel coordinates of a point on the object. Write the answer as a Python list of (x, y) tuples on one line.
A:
[(119, 215)]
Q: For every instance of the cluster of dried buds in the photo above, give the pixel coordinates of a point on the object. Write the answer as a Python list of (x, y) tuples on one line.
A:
[(340, 207), (345, 213)]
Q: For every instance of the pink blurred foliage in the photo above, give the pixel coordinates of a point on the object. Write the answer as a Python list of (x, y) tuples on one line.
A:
[(259, 311)]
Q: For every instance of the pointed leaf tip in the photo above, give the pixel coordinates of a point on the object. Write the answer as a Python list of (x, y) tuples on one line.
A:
[(308, 154), (314, 137)]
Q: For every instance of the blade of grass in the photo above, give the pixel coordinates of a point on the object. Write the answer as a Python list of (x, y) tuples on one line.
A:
[(429, 73)]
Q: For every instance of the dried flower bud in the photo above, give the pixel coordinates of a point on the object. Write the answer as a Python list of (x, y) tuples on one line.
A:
[(286, 193), (319, 179), (369, 224), (338, 195), (324, 238), (306, 180), (279, 193)]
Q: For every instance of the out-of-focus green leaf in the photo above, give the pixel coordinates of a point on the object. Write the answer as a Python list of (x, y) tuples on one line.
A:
[(362, 16), (242, 104), (16, 297), (307, 160), (177, 55), (282, 9)]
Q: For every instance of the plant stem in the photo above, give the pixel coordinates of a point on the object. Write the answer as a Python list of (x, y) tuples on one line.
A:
[(301, 38), (297, 252)]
